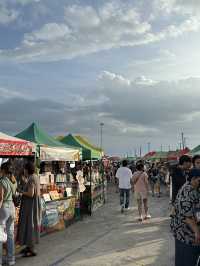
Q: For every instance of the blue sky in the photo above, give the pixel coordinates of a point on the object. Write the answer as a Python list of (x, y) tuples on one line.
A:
[(132, 64)]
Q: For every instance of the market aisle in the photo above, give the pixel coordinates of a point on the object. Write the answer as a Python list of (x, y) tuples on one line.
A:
[(110, 238)]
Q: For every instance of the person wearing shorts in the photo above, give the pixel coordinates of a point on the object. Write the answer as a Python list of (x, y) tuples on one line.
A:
[(140, 181)]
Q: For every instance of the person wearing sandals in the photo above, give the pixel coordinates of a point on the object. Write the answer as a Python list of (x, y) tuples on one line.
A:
[(30, 213), (141, 184), (8, 186)]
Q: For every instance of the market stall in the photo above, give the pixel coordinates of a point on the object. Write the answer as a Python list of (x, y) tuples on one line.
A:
[(95, 193), (16, 150), (96, 188), (58, 202)]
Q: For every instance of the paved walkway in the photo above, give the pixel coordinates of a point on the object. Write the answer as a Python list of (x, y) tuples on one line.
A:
[(110, 238)]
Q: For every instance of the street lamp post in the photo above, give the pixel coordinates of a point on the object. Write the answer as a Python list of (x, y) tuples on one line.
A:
[(101, 135), (149, 147), (101, 146)]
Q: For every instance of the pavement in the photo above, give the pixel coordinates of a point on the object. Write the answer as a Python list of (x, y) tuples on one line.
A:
[(109, 238)]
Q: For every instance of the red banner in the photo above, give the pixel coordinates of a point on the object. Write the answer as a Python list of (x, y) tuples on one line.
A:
[(15, 148)]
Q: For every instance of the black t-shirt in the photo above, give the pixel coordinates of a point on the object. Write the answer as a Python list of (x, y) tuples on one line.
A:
[(179, 177)]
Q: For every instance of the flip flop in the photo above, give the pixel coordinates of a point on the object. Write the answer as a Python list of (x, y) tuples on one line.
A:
[(29, 253), (24, 250)]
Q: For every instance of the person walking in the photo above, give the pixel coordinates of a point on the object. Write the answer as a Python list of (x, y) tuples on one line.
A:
[(141, 188), (196, 161), (8, 186), (124, 176), (185, 222), (30, 213), (153, 173), (180, 174)]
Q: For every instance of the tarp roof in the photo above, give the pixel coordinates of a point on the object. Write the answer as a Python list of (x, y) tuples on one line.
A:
[(37, 135), (195, 151), (159, 155), (11, 146), (96, 153), (71, 140)]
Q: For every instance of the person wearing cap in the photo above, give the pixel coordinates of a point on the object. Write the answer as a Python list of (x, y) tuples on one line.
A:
[(185, 222)]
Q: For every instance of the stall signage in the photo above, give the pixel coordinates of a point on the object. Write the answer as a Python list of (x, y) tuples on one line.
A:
[(15, 148), (58, 154)]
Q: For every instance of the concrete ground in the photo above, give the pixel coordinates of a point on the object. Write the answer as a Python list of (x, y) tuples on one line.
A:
[(110, 238)]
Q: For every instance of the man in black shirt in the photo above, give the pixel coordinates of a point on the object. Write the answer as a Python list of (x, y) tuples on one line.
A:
[(179, 175)]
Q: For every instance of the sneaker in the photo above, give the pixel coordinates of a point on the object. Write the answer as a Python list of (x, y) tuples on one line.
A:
[(148, 216), (11, 263)]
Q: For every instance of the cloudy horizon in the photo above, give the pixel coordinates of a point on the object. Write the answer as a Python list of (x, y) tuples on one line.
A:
[(133, 65)]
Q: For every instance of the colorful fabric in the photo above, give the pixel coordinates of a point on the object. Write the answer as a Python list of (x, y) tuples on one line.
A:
[(186, 204)]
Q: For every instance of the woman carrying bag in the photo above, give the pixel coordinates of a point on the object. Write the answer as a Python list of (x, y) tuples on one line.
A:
[(8, 186)]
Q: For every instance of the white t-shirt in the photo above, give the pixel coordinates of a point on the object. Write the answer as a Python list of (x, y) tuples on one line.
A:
[(124, 175)]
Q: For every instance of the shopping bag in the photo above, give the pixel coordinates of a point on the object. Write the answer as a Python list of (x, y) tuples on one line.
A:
[(198, 261), (3, 235)]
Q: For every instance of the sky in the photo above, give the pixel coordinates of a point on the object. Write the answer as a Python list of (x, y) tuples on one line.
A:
[(70, 65)]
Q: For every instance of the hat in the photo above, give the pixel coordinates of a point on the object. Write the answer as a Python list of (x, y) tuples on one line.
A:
[(194, 173)]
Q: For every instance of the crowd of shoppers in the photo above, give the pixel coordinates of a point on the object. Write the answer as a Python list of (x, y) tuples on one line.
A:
[(185, 200)]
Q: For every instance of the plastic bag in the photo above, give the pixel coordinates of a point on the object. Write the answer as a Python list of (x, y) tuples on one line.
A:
[(3, 235)]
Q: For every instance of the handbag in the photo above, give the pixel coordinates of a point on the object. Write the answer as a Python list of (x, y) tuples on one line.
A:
[(3, 235)]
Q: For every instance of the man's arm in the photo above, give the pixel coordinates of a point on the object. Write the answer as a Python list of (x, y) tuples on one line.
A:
[(175, 187), (193, 225), (1, 196)]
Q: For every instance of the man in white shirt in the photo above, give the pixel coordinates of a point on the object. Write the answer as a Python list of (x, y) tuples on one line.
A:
[(124, 175)]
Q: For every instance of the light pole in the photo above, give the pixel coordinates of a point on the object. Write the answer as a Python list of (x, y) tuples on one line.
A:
[(101, 146), (149, 147), (101, 134)]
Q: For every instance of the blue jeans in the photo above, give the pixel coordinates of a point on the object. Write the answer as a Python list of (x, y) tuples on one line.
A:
[(186, 255), (7, 219), (124, 197)]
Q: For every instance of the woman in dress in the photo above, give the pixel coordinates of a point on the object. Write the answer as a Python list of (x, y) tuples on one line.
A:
[(141, 189), (30, 213)]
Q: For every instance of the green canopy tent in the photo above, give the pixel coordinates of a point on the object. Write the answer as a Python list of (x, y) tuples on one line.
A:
[(71, 140), (195, 151), (159, 155), (96, 153), (37, 135)]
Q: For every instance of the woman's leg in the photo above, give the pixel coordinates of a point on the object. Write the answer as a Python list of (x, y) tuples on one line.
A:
[(3, 218), (139, 202), (10, 236), (145, 202), (152, 188)]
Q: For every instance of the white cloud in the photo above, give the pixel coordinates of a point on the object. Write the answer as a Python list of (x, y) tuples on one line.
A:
[(169, 7), (87, 30), (150, 105), (25, 2), (7, 15), (81, 17), (142, 80), (92, 30), (49, 32), (9, 94)]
